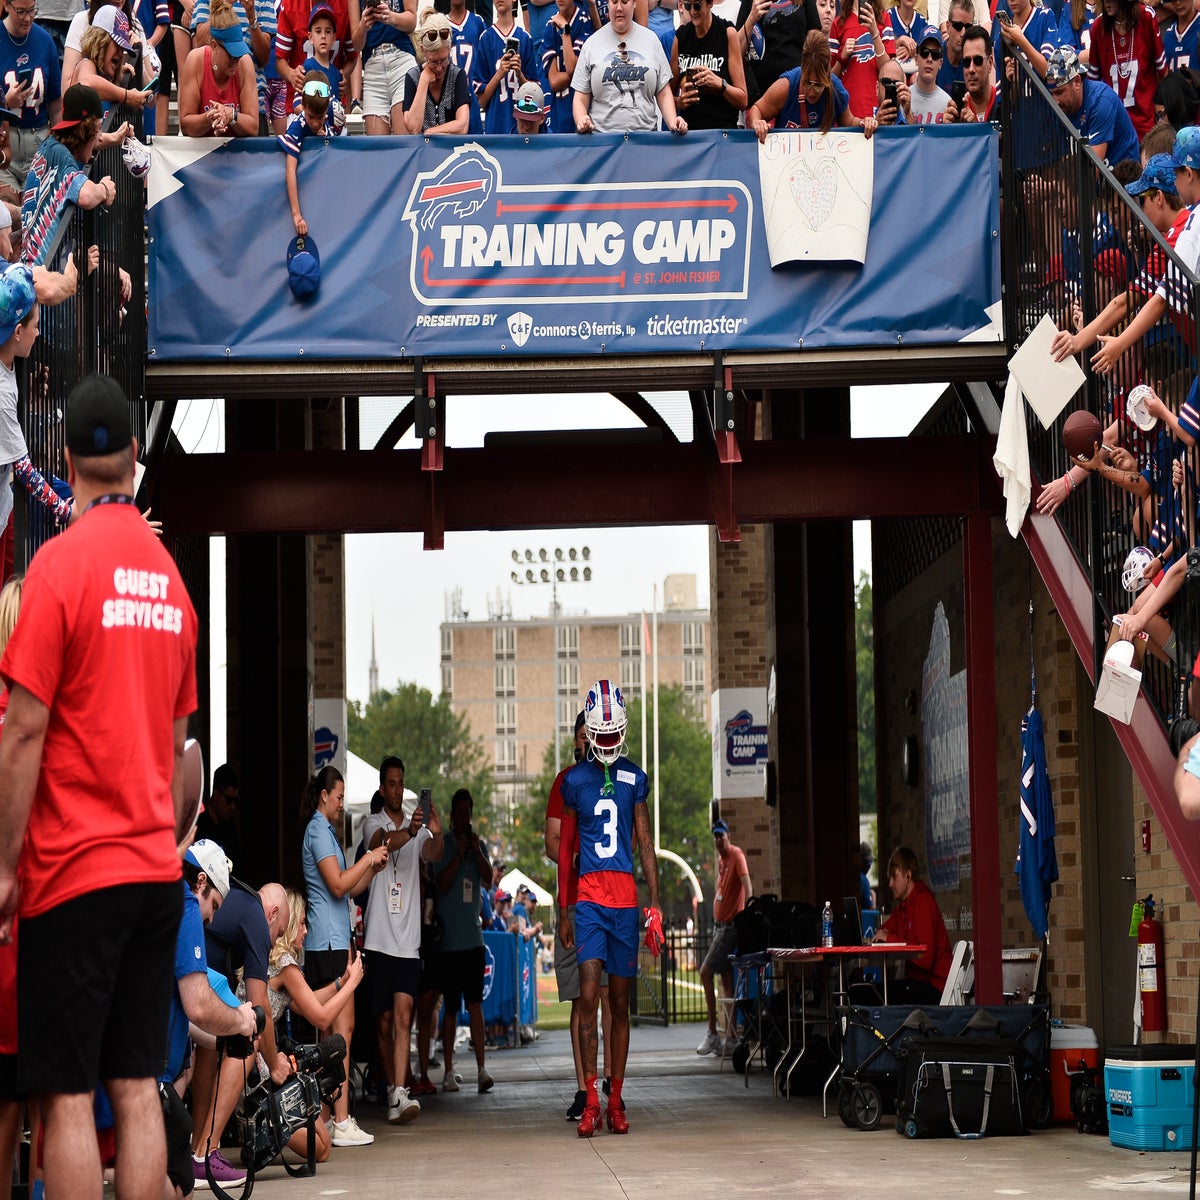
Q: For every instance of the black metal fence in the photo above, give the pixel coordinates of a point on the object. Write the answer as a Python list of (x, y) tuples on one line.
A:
[(101, 327), (668, 989), (1077, 247)]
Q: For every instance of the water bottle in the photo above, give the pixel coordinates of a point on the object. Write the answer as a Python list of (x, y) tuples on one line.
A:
[(827, 925)]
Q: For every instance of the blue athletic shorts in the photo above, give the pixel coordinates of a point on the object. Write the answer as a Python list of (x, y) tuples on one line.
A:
[(609, 935)]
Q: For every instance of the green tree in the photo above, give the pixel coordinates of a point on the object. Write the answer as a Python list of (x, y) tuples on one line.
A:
[(864, 659), (434, 742), (685, 788)]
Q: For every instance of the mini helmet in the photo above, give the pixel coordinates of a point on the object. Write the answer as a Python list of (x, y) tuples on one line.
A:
[(1133, 574), (604, 720)]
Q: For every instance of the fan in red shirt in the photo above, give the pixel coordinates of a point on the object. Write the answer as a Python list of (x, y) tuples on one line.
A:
[(917, 921), (102, 674), (1127, 53)]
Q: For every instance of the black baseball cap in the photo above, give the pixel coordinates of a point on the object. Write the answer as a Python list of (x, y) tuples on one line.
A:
[(97, 418), (79, 102)]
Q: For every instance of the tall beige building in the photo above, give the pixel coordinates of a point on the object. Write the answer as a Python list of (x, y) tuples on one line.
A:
[(516, 682)]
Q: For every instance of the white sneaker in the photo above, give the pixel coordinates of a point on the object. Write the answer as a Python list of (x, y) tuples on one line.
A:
[(349, 1134), (451, 1081), (711, 1043), (401, 1107), (485, 1081)]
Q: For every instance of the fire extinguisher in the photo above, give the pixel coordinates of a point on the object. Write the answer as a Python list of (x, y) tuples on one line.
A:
[(1152, 976)]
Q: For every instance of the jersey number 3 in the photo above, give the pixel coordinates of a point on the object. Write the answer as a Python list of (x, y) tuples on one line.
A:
[(606, 809)]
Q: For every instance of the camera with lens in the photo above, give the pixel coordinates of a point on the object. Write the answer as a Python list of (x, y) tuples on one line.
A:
[(240, 1045), (270, 1113)]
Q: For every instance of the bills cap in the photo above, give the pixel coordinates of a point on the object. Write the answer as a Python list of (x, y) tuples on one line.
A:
[(1187, 148), (210, 858), (115, 23), (304, 267), (1159, 175), (80, 102), (17, 298), (530, 102)]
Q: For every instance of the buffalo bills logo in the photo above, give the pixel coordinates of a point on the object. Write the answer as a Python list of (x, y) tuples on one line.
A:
[(489, 970), (325, 747), (460, 187), (745, 742)]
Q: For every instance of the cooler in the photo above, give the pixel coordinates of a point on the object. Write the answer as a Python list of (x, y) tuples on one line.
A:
[(1069, 1045), (1149, 1091)]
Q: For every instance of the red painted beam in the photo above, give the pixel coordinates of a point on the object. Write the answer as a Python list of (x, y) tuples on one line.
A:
[(981, 769), (538, 487)]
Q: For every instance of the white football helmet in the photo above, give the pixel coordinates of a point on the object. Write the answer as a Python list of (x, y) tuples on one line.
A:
[(604, 720), (1133, 574)]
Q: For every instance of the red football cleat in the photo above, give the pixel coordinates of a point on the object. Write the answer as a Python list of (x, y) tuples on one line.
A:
[(618, 1122), (590, 1121)]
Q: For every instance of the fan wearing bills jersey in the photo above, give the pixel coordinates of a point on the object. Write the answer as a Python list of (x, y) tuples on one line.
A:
[(604, 801)]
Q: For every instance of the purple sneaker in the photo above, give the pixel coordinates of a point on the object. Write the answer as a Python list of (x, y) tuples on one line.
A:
[(223, 1171)]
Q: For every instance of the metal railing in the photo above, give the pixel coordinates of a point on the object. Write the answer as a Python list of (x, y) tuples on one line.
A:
[(1075, 245), (101, 328), (668, 989)]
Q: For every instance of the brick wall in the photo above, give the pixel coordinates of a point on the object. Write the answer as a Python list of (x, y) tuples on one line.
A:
[(328, 574), (737, 587)]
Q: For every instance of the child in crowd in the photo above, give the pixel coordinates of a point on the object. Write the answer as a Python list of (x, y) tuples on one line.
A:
[(467, 27), (504, 62), (859, 48), (312, 121), (562, 37), (19, 314), (322, 34), (529, 109)]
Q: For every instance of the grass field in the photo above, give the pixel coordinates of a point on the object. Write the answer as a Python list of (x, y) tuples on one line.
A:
[(688, 997)]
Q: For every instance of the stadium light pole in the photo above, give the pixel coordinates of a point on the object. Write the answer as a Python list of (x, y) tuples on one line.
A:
[(535, 568)]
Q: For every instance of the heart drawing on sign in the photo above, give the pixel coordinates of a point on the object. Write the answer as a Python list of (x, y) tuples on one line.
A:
[(815, 192)]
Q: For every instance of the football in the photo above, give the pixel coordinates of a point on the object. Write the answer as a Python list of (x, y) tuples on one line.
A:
[(1081, 431)]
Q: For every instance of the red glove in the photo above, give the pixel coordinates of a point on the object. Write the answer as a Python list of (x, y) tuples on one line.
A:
[(654, 932)]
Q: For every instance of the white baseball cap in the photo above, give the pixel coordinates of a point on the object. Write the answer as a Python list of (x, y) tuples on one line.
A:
[(210, 858)]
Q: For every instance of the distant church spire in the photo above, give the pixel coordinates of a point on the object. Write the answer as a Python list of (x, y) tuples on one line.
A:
[(373, 667)]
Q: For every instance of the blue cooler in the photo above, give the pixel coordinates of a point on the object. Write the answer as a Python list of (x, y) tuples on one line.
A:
[(1149, 1090)]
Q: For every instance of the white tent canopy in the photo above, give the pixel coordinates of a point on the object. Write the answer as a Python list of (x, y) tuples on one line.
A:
[(515, 878)]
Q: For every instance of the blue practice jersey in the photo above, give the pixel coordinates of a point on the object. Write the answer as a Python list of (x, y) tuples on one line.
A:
[(604, 813), (499, 117), (562, 119)]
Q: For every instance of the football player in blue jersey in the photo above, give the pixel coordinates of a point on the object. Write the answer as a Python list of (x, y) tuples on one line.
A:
[(604, 802)]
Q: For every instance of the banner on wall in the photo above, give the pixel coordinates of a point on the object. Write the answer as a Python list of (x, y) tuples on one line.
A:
[(329, 734), (947, 792), (567, 246), (739, 742)]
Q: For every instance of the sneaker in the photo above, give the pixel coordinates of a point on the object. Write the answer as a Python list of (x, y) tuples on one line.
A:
[(451, 1082), (485, 1081), (423, 1087), (590, 1121), (356, 106), (401, 1108), (348, 1133), (223, 1171), (711, 1043), (577, 1106)]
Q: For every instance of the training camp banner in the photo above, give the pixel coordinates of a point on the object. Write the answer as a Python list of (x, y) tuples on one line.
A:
[(562, 246)]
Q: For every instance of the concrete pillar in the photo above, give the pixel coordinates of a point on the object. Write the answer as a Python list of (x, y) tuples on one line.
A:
[(810, 642)]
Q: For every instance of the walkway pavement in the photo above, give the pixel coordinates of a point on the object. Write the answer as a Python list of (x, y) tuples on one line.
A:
[(697, 1132)]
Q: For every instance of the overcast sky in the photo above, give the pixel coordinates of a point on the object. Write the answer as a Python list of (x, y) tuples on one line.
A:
[(390, 578)]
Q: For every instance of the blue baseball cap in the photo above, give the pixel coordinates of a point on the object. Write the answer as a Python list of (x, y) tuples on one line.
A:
[(1159, 175), (1186, 152), (17, 298), (932, 34), (720, 827), (304, 267)]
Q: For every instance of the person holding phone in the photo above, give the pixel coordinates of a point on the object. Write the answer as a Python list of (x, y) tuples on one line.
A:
[(35, 97), (859, 49), (330, 885), (504, 62), (393, 934), (893, 95), (706, 66), (982, 101), (561, 40), (382, 32)]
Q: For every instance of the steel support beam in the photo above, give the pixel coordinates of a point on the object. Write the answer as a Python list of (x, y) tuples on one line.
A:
[(373, 491)]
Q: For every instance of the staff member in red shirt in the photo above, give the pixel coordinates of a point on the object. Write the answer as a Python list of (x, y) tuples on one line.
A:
[(917, 921), (102, 674), (733, 894)]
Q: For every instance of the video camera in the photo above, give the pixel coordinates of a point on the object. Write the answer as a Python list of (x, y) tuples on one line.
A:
[(269, 1114)]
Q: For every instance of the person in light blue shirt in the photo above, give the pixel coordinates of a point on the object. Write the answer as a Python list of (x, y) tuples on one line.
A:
[(330, 885)]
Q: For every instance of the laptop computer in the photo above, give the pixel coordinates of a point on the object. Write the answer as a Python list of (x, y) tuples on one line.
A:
[(847, 929)]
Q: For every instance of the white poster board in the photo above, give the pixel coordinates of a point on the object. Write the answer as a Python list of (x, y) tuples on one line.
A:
[(816, 195), (739, 742)]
